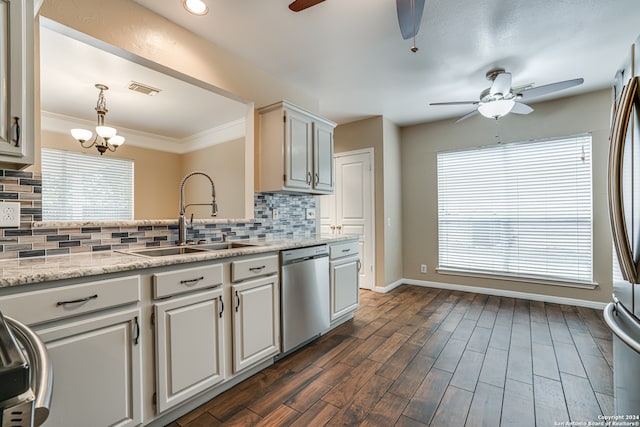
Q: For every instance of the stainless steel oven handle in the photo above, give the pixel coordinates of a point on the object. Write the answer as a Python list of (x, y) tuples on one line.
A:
[(42, 378), (609, 318)]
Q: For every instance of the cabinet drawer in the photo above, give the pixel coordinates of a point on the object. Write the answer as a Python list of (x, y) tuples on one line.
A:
[(52, 304), (186, 280), (247, 269), (340, 250)]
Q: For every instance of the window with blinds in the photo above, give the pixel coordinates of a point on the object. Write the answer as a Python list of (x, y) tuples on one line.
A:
[(520, 210), (78, 186)]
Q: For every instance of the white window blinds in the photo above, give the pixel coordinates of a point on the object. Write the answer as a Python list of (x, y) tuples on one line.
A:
[(78, 186), (519, 209)]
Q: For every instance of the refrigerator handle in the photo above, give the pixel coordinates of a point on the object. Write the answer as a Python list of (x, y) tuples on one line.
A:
[(619, 231), (612, 323)]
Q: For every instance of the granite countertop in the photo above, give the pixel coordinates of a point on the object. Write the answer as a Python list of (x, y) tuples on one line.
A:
[(42, 269)]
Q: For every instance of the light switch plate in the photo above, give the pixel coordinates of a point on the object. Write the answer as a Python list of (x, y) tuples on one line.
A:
[(9, 214)]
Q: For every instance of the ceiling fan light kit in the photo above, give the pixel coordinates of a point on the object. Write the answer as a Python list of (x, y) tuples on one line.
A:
[(501, 98)]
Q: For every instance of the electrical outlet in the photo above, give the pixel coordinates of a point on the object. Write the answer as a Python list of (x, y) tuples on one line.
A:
[(423, 268), (310, 213), (9, 214), (275, 214)]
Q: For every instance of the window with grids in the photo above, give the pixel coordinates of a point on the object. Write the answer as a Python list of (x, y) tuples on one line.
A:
[(77, 186), (520, 209)]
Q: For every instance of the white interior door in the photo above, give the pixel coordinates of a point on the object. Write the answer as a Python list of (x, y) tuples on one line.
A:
[(350, 210)]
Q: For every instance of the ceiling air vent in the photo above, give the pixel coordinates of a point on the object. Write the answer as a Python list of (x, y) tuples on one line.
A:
[(142, 88)]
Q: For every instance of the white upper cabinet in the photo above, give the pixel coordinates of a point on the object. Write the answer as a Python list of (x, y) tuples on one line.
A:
[(295, 150), (16, 82)]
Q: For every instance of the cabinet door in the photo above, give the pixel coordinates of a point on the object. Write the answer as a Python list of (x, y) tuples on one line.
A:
[(256, 321), (345, 295), (16, 81), (323, 158), (298, 146), (96, 371), (189, 346)]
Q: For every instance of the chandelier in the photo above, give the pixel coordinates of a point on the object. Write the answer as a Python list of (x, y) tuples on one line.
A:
[(106, 138)]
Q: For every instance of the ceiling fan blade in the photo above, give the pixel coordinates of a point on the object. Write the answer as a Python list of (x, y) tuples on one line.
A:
[(520, 108), (466, 116), (456, 103), (409, 16), (501, 84), (546, 89), (299, 5)]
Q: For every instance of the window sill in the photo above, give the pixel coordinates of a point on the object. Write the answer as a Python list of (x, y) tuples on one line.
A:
[(524, 279)]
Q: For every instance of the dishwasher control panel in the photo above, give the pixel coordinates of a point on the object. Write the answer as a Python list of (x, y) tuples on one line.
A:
[(304, 253)]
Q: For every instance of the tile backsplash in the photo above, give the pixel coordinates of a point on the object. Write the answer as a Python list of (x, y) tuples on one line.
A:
[(57, 238)]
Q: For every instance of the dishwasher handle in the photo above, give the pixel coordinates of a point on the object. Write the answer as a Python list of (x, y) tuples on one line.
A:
[(307, 258), (610, 311)]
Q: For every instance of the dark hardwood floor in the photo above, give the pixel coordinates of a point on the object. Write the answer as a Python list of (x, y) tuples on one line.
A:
[(428, 357)]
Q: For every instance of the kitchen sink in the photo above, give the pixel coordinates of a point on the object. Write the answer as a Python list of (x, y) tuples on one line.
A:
[(173, 250), (185, 250)]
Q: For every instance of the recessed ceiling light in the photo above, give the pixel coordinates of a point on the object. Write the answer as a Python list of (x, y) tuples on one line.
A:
[(197, 7)]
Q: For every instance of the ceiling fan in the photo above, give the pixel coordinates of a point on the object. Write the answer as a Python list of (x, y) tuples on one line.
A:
[(501, 98), (409, 15)]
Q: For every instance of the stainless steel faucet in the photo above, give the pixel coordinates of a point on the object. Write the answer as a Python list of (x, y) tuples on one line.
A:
[(182, 220)]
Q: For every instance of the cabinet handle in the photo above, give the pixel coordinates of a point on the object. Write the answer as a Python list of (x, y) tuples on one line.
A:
[(346, 250), (338, 227), (221, 307), (309, 179), (237, 301), (77, 301), (191, 281), (136, 340), (359, 265), (256, 269), (333, 227), (17, 124), (317, 178)]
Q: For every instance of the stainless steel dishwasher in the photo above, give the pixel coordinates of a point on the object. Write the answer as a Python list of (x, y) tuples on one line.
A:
[(304, 296)]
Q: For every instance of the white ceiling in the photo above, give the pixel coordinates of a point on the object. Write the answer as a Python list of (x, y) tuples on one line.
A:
[(351, 56), (71, 68)]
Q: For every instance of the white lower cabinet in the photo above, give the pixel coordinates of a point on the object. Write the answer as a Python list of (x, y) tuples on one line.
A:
[(344, 267), (256, 321), (189, 346), (97, 371)]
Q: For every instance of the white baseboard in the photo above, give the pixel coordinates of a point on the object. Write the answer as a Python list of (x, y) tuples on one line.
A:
[(491, 291)]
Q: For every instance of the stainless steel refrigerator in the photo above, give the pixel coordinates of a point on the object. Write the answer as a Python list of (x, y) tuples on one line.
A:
[(623, 314)]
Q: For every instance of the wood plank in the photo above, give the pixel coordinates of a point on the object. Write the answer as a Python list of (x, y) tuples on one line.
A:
[(450, 355), (424, 403), (473, 313), (435, 344), (599, 373), (494, 368), (606, 403), (537, 312), (486, 406), (544, 361), (356, 356), (464, 330), (568, 359), (454, 407), (606, 347), (394, 366), (585, 344), (520, 366), (342, 393), (505, 312), (480, 339), (243, 418), (282, 390), (466, 374), (554, 313), (388, 347), (386, 412), (307, 396), (488, 317), (573, 320), (362, 402), (581, 401), (540, 333), (550, 405), (369, 329), (405, 421), (594, 322), (281, 416), (411, 378), (521, 311), (521, 334), (500, 336), (335, 351), (517, 405), (204, 420), (232, 401), (560, 332), (318, 415), (334, 374)]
